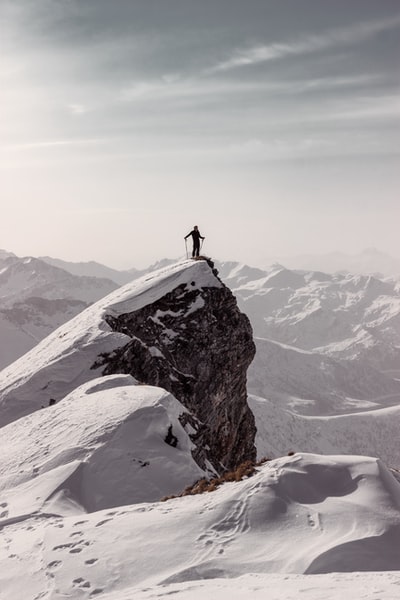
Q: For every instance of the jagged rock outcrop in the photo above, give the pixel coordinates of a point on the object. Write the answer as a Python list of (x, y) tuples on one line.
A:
[(179, 328), (195, 343)]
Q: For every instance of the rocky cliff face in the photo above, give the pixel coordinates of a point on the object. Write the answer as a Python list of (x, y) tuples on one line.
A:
[(195, 343)]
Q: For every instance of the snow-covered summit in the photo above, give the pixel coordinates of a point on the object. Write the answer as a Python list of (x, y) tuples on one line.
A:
[(64, 359), (4, 254)]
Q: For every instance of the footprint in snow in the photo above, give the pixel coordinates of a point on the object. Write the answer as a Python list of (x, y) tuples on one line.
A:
[(80, 582), (4, 514), (102, 522), (63, 546)]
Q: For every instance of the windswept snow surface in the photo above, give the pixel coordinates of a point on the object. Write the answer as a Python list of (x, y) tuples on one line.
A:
[(335, 586), (64, 360), (102, 446), (304, 514)]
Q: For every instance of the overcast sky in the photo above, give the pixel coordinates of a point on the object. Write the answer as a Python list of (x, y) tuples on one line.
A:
[(271, 124)]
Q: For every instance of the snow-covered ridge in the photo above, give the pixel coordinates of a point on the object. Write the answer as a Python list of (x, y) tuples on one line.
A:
[(63, 360), (305, 514), (103, 445)]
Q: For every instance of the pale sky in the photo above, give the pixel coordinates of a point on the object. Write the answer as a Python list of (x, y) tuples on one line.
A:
[(271, 124)]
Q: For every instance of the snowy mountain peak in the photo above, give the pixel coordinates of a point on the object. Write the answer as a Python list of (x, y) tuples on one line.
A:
[(178, 327), (4, 254)]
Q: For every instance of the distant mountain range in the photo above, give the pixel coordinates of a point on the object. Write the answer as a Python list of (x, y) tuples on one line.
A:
[(95, 269), (368, 262), (36, 298), (342, 316)]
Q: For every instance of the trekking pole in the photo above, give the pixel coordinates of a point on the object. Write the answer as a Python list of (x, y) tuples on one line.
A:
[(201, 245), (187, 256)]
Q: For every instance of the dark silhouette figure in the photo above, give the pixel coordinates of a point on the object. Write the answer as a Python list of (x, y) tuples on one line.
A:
[(196, 235)]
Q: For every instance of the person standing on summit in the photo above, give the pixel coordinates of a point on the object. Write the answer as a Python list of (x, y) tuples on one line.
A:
[(196, 235)]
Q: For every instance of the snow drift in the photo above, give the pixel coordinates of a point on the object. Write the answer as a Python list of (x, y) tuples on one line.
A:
[(300, 514), (110, 442)]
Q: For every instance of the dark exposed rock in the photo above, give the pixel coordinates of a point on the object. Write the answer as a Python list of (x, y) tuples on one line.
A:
[(170, 438), (195, 343)]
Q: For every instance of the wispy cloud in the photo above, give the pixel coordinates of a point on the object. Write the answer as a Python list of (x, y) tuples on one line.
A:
[(354, 34), (55, 143), (198, 90), (77, 109)]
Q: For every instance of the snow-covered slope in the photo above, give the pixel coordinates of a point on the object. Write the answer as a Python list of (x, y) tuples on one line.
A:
[(304, 514), (76, 478), (109, 443), (65, 359)]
